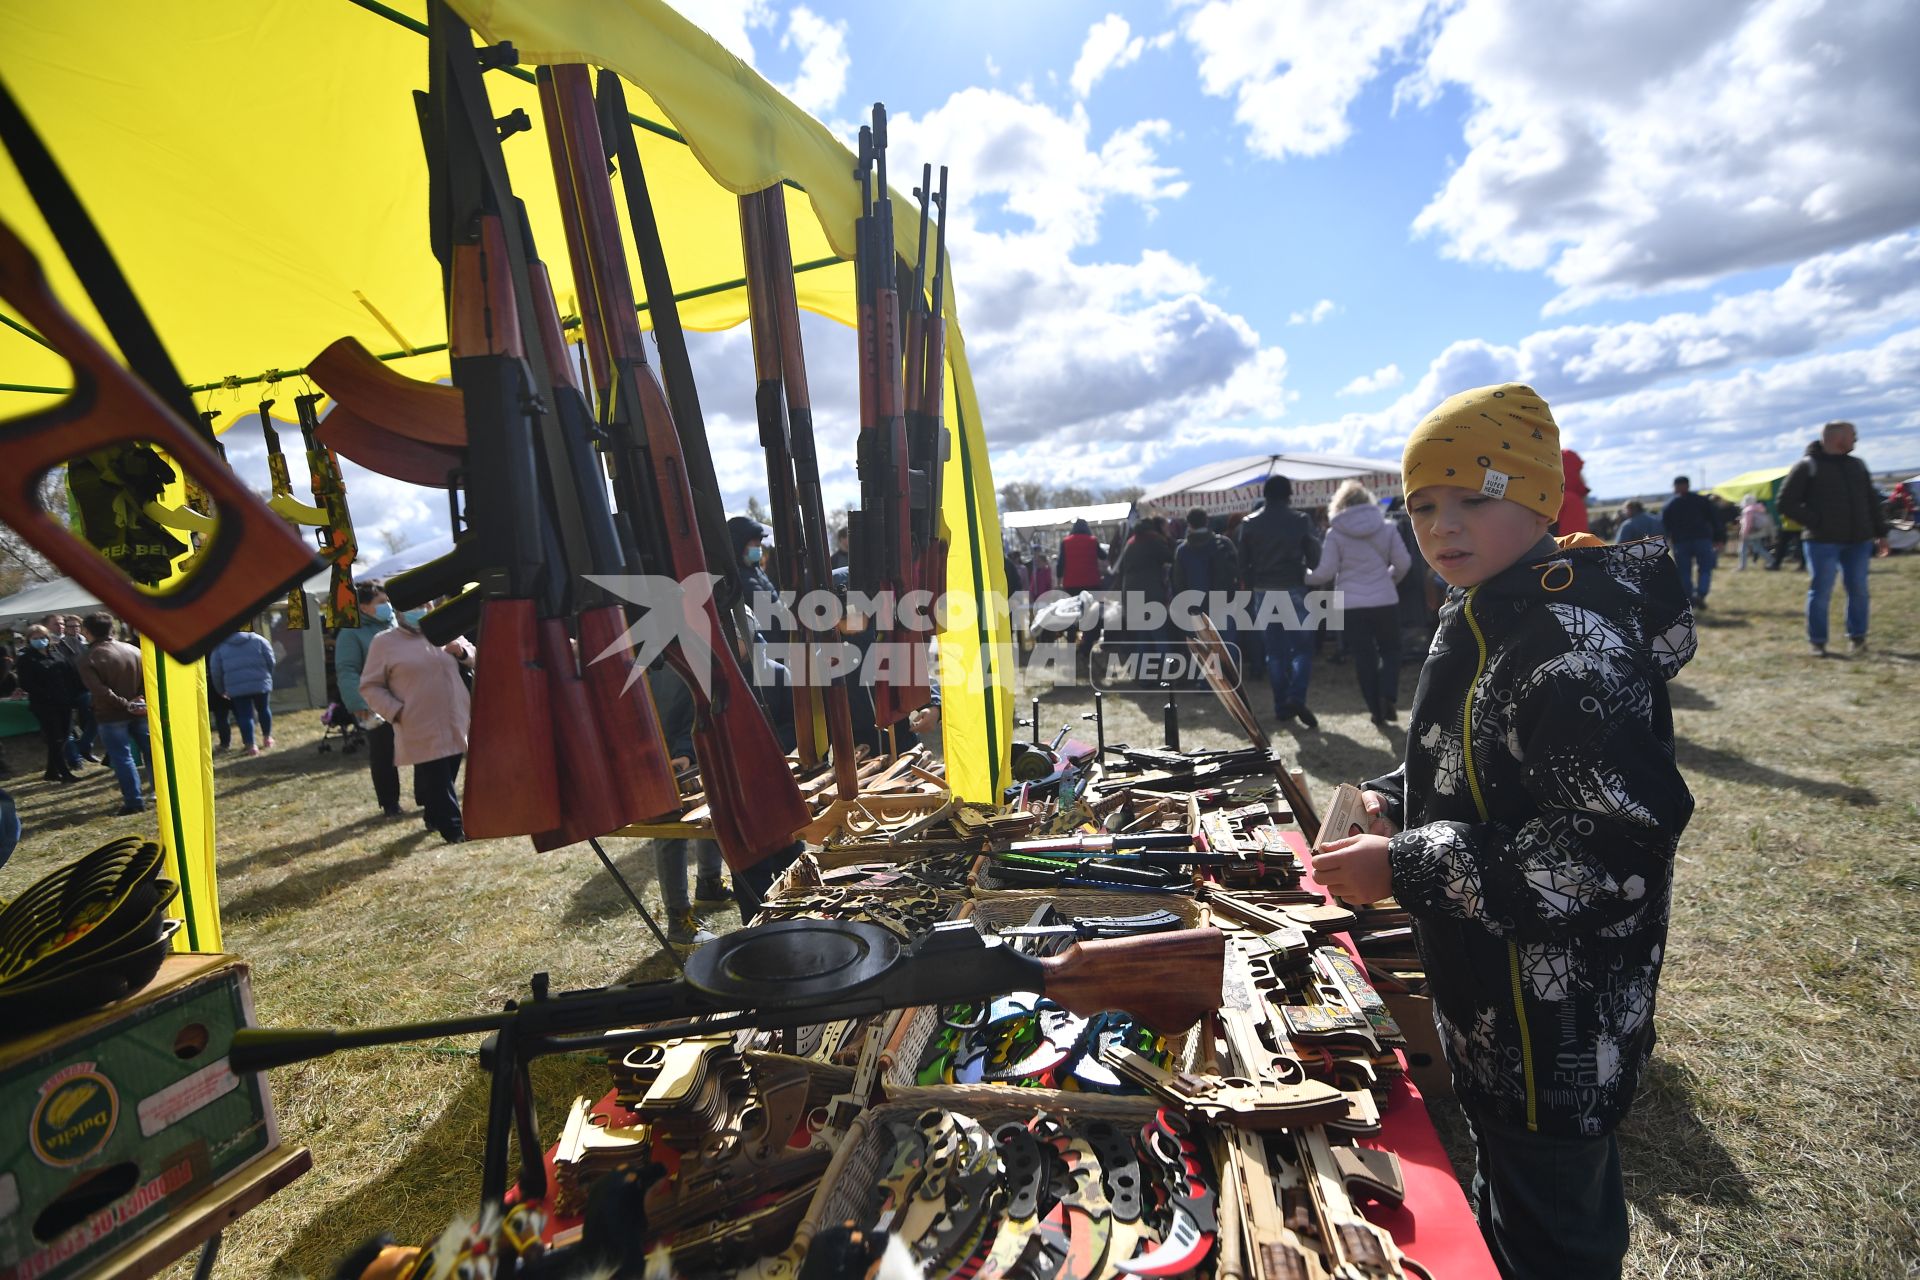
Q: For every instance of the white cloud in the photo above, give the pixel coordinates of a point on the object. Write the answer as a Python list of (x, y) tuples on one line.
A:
[(993, 68), (1110, 45), (1652, 145), (1624, 148), (823, 60), (1827, 299), (1315, 314), (1379, 380), (731, 22), (1295, 66)]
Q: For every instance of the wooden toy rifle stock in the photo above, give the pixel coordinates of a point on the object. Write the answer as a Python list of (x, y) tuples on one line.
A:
[(771, 292), (249, 557), (755, 802)]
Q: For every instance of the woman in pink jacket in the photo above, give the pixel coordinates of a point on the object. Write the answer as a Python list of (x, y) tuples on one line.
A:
[(1364, 558), (416, 686)]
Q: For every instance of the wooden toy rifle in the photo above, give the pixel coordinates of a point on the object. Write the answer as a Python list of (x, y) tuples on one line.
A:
[(338, 546), (814, 570), (755, 802), (880, 540), (247, 558), (928, 441), (776, 443), (291, 509), (513, 782), (748, 978), (676, 367)]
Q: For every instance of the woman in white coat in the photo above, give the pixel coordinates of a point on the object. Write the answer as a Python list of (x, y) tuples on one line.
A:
[(1364, 558)]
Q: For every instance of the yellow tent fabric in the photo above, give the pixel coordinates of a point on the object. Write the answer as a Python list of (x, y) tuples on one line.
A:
[(1764, 483), (256, 168)]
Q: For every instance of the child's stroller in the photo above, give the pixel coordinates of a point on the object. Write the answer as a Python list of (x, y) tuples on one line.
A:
[(341, 727)]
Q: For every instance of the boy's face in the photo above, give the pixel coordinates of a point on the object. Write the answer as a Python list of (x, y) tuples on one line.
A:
[(1467, 536)]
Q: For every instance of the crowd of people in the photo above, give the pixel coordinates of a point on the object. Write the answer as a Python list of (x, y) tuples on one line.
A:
[(1827, 518), (1356, 545)]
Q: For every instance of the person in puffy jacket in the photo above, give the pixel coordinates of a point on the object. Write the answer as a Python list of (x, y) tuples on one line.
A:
[(1531, 831), (416, 686), (349, 660), (1364, 559), (242, 669)]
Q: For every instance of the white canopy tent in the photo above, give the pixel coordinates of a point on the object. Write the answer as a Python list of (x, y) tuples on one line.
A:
[(1236, 486), (62, 595)]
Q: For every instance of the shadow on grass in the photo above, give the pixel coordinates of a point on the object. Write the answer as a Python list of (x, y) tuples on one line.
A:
[(315, 843), (304, 888), (1685, 698), (1669, 1153), (440, 1174), (1730, 767), (598, 897)]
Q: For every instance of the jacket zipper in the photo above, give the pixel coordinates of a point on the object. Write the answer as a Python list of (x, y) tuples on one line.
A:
[(1480, 807)]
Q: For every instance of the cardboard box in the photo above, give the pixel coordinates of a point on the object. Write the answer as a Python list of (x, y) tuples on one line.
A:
[(1425, 1062), (113, 1121)]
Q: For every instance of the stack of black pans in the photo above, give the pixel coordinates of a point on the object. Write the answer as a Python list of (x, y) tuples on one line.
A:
[(93, 932)]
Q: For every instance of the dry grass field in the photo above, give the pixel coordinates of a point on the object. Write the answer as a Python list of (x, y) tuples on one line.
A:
[(1774, 1136)]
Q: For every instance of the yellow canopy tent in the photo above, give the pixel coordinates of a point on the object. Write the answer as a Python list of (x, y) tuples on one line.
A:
[(1763, 483), (257, 171)]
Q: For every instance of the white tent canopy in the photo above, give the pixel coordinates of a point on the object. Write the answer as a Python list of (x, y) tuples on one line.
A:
[(62, 595), (1235, 486), (1063, 517)]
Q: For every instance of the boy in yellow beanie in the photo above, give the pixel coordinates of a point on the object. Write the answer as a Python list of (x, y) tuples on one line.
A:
[(1532, 828)]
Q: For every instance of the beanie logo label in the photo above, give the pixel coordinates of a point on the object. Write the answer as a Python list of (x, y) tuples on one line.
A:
[(1495, 485)]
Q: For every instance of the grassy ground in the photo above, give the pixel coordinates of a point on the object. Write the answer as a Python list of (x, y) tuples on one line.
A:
[(1772, 1137)]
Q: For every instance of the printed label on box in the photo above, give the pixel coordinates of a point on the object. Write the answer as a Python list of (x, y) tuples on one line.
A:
[(76, 1114), (184, 1097)]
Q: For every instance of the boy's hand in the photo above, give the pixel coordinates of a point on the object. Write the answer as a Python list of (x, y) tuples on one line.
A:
[(1354, 869), (1376, 804)]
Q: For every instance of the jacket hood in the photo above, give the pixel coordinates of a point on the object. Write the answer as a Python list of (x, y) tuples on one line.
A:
[(1361, 521), (1634, 586)]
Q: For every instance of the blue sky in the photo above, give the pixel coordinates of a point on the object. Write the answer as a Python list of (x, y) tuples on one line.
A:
[(1199, 230)]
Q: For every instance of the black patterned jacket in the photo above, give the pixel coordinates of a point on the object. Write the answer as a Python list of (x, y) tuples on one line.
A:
[(1541, 807)]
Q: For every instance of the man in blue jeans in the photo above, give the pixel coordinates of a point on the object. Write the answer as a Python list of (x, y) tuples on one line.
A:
[(1831, 492), (111, 671), (1690, 523)]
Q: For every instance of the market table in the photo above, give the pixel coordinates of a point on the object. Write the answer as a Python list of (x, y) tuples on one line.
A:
[(1435, 1225)]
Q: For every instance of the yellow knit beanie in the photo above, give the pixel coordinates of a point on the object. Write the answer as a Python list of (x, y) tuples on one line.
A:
[(1501, 441)]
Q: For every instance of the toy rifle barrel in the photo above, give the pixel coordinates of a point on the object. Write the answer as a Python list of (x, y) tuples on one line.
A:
[(676, 367)]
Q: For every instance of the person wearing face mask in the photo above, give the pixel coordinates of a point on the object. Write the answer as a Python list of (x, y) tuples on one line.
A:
[(416, 686), (53, 689), (349, 661), (242, 668)]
